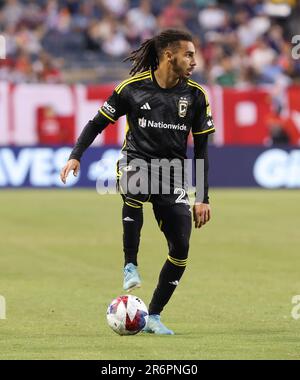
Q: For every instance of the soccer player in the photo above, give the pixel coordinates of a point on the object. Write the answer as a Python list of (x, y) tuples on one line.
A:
[(162, 106)]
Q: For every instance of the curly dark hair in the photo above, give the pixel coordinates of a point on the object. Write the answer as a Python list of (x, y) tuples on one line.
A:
[(148, 54)]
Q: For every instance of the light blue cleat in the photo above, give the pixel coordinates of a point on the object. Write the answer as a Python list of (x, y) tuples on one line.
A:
[(132, 278), (155, 326)]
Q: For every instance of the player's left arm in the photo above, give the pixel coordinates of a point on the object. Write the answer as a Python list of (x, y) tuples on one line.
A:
[(201, 209), (203, 125)]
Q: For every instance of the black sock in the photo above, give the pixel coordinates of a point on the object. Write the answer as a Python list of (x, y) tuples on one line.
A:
[(132, 225), (168, 280)]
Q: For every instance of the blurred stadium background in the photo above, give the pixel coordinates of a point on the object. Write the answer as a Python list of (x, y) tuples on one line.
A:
[(63, 58)]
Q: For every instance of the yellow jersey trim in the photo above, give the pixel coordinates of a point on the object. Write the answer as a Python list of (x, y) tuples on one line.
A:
[(195, 84), (132, 81), (131, 205), (201, 133), (141, 202), (177, 262), (127, 81), (108, 117), (151, 75), (135, 76), (125, 133)]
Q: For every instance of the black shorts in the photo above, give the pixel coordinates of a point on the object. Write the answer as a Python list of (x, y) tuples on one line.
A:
[(172, 210), (146, 183)]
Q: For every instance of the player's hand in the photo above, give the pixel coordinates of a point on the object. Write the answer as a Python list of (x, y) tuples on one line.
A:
[(201, 212), (71, 165)]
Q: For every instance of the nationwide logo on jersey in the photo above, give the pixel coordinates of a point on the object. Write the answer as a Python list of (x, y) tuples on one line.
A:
[(142, 122), (160, 125), (182, 107)]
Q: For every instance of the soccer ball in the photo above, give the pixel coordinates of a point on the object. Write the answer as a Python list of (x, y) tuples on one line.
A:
[(127, 315)]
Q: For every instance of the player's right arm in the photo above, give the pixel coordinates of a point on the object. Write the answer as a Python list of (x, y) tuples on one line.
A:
[(111, 110)]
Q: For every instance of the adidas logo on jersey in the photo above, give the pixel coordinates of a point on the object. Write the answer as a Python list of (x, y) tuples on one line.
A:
[(146, 106)]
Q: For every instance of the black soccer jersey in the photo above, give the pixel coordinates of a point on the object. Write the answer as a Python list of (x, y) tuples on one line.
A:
[(159, 120)]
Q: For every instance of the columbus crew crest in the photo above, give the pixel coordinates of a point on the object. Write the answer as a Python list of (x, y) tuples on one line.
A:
[(182, 107)]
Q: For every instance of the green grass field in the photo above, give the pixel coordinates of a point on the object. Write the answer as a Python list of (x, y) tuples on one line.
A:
[(61, 264)]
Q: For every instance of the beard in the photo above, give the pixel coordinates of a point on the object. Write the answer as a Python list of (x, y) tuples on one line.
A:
[(178, 70)]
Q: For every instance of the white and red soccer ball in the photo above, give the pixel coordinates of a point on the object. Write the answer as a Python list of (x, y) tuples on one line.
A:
[(127, 315)]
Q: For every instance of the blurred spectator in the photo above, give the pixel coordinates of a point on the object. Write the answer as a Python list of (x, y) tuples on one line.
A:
[(281, 126), (23, 67), (173, 15), (226, 75), (239, 43), (117, 7), (249, 29), (282, 130), (12, 12), (53, 129), (212, 17), (278, 135), (49, 130), (141, 23), (116, 44), (47, 69), (28, 39), (108, 35), (261, 55)]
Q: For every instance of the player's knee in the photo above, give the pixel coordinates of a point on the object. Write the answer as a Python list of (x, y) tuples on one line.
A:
[(135, 201), (180, 249), (183, 249)]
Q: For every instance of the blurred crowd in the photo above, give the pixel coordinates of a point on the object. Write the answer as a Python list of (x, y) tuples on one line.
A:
[(238, 42)]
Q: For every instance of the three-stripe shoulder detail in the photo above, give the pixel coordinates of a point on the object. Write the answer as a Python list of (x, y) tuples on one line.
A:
[(136, 78), (197, 85)]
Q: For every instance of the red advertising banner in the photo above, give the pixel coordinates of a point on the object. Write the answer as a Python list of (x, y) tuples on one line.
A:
[(292, 119), (45, 114), (245, 116)]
